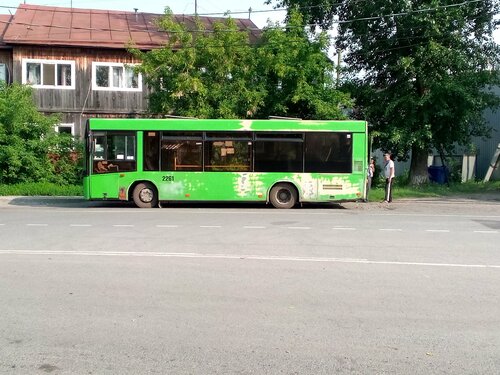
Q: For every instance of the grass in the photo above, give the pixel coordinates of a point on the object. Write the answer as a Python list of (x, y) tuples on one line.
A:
[(435, 190), (41, 188)]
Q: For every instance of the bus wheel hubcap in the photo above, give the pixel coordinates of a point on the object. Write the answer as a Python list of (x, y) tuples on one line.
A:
[(284, 196), (146, 195)]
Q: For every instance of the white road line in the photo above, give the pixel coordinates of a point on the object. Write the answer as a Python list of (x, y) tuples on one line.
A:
[(167, 226), (242, 257), (298, 227), (246, 212), (210, 226), (123, 225), (80, 225), (391, 230), (37, 225), (438, 230), (1, 225), (485, 231), (344, 228), (253, 227)]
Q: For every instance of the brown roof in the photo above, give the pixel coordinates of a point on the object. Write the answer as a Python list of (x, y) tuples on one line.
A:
[(57, 26), (4, 22)]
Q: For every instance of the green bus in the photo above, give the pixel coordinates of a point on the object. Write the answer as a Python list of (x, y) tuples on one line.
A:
[(282, 162)]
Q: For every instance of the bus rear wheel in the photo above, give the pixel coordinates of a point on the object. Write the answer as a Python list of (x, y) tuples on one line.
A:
[(283, 196), (145, 195)]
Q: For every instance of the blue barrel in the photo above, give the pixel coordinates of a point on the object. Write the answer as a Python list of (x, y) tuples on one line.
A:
[(438, 174)]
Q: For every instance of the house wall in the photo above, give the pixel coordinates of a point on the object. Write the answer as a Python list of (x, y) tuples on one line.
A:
[(486, 147), (82, 102)]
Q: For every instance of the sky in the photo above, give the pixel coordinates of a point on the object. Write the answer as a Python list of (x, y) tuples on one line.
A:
[(157, 6)]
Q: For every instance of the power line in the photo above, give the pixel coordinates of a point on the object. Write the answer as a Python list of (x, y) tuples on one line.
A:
[(409, 12), (89, 11), (250, 29)]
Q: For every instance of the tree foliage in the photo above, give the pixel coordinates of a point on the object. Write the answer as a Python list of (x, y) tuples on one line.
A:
[(30, 149), (420, 69), (220, 74), (297, 73), (202, 74)]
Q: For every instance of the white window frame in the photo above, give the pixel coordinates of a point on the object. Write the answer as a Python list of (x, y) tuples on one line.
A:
[(66, 125), (25, 63), (95, 64), (3, 69)]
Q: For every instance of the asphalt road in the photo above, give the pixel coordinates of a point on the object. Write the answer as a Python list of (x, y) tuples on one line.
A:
[(92, 288)]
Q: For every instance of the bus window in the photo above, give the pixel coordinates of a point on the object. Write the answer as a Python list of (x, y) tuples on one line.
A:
[(99, 145), (114, 152), (121, 147), (182, 151), (278, 152), (328, 152), (228, 155)]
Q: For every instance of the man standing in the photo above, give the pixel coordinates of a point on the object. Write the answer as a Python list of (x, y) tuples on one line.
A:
[(389, 177), (370, 173)]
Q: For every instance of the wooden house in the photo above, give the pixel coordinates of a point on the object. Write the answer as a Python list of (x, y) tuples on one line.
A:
[(5, 51), (77, 60)]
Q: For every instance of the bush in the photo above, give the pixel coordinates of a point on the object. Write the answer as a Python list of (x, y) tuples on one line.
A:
[(30, 149)]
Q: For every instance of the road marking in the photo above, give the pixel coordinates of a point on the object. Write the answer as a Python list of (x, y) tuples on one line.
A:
[(1, 225), (253, 227), (391, 230), (344, 228), (485, 231), (242, 257), (259, 211), (210, 226), (37, 225), (298, 227), (167, 226), (80, 225), (123, 225), (438, 230)]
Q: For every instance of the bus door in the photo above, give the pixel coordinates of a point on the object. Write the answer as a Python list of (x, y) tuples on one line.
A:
[(113, 153)]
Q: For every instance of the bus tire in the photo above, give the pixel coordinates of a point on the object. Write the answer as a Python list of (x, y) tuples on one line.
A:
[(283, 196), (145, 195)]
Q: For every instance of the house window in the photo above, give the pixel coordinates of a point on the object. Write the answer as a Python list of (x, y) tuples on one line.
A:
[(3, 73), (66, 129), (49, 73), (115, 77)]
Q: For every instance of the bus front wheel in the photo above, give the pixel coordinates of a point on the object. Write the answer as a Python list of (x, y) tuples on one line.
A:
[(283, 196), (145, 195)]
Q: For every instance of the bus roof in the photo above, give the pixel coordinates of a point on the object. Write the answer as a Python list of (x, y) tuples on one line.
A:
[(226, 125)]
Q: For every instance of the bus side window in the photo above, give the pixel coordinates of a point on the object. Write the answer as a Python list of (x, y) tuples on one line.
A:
[(182, 151), (328, 153)]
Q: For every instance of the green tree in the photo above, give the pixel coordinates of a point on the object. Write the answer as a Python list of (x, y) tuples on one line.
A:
[(420, 70), (30, 149), (206, 74), (297, 73), (220, 74)]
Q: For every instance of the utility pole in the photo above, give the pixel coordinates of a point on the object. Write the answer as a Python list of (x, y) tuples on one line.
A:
[(249, 12), (195, 7)]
